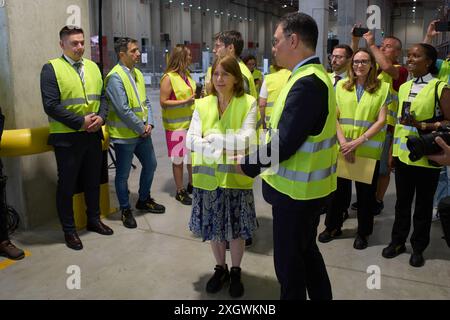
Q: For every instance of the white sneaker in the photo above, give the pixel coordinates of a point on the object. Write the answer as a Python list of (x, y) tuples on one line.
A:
[(435, 215)]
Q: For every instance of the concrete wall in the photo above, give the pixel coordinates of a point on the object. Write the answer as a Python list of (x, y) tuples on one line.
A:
[(28, 44)]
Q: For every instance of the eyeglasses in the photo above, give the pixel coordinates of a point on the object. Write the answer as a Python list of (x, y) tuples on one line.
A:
[(275, 41), (337, 57), (361, 62)]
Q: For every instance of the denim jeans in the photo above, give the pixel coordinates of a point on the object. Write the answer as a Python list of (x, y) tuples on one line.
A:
[(124, 156), (443, 188)]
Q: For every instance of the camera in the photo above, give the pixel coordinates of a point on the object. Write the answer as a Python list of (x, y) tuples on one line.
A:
[(425, 145)]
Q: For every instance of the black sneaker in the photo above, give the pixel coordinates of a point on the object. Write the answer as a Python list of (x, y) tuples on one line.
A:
[(248, 243), (150, 206), (236, 287), (327, 235), (393, 250), (184, 197), (354, 206), (220, 277), (128, 219), (190, 188)]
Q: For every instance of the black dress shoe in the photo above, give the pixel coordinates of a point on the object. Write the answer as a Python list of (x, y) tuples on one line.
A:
[(73, 241), (327, 236), (100, 228), (417, 260), (218, 280), (393, 250), (360, 243)]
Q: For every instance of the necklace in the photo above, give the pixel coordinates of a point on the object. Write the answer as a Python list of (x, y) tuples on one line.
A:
[(223, 109)]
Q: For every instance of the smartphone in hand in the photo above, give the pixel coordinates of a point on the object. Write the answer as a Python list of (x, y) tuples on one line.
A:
[(442, 26), (359, 32)]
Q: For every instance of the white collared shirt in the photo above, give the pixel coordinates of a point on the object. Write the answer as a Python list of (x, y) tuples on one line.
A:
[(301, 63)]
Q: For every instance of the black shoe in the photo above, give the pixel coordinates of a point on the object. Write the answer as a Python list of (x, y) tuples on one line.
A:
[(354, 206), (417, 260), (73, 241), (151, 206), (379, 206), (184, 197), (236, 287), (345, 215), (327, 236), (190, 188), (220, 277), (248, 242), (360, 242), (100, 228), (128, 219), (393, 250)]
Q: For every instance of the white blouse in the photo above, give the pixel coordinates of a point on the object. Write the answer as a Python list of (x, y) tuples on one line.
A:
[(214, 144)]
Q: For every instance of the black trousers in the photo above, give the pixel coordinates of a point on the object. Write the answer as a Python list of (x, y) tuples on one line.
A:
[(365, 194), (3, 207), (80, 163), (422, 182), (299, 265), (3, 231)]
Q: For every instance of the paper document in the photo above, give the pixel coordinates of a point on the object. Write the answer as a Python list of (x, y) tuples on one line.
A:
[(361, 170)]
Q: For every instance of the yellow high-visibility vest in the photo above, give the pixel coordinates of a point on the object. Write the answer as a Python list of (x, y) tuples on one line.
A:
[(207, 173), (274, 83), (179, 117), (356, 118), (136, 100), (423, 107), (78, 98), (311, 172)]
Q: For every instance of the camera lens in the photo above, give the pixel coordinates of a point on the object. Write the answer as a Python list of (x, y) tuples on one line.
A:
[(416, 147)]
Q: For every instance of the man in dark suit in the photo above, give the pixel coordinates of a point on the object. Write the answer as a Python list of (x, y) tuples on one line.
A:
[(73, 98), (304, 120)]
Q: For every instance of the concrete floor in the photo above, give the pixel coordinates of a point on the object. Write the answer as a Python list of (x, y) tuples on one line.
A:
[(162, 260)]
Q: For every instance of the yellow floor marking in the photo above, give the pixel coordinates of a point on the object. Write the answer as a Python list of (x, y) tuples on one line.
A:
[(7, 262)]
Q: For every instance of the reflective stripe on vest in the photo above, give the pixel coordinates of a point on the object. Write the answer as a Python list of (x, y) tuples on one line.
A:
[(137, 97), (77, 98), (423, 107), (358, 117), (179, 117), (311, 172), (208, 174)]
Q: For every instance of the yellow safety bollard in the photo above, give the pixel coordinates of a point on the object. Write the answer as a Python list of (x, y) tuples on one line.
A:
[(25, 142)]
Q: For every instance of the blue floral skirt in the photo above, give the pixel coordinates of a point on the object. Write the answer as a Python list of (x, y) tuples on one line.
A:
[(223, 214)]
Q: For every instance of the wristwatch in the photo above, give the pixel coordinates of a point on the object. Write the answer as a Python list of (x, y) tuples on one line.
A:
[(423, 126)]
